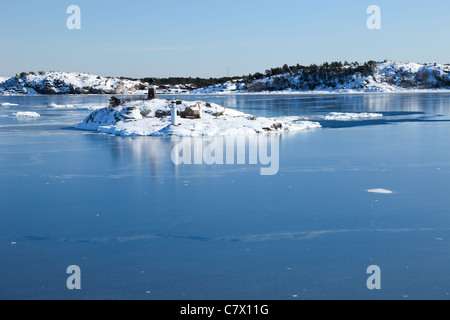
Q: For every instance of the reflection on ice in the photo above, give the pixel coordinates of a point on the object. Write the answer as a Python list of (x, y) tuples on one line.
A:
[(192, 152), (311, 105), (230, 150), (269, 237)]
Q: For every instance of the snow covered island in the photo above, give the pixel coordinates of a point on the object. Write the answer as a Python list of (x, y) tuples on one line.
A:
[(154, 118)]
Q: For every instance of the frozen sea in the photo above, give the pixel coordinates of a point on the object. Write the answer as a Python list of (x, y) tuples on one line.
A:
[(140, 227)]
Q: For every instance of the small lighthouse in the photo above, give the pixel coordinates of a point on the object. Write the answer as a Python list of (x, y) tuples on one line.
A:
[(173, 113)]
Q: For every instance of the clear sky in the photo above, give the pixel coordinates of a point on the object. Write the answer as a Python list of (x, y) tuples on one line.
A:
[(207, 38)]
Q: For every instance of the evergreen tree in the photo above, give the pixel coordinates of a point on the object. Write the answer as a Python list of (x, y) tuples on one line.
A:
[(114, 102)]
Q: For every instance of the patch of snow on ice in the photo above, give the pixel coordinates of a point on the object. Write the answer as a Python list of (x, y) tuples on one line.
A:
[(7, 104), (340, 116), (380, 191), (25, 115), (58, 106), (90, 108)]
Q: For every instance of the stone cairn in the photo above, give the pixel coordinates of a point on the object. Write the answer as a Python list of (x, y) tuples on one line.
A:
[(152, 90)]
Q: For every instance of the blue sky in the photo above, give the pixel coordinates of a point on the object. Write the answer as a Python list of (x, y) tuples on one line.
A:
[(205, 38)]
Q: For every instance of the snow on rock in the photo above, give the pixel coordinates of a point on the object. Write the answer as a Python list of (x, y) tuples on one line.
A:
[(225, 88), (68, 83), (153, 118), (344, 116), (25, 115), (4, 79)]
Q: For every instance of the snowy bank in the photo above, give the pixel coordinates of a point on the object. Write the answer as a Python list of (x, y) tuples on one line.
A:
[(153, 118)]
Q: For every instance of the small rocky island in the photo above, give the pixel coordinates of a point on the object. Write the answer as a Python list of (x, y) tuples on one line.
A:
[(154, 118)]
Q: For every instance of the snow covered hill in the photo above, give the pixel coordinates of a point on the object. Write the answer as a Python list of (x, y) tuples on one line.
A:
[(387, 76), (68, 83)]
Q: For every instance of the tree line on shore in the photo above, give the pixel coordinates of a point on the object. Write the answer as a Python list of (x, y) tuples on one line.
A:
[(332, 69)]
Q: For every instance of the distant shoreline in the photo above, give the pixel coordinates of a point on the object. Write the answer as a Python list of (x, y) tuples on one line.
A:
[(267, 93), (337, 92), (334, 78)]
